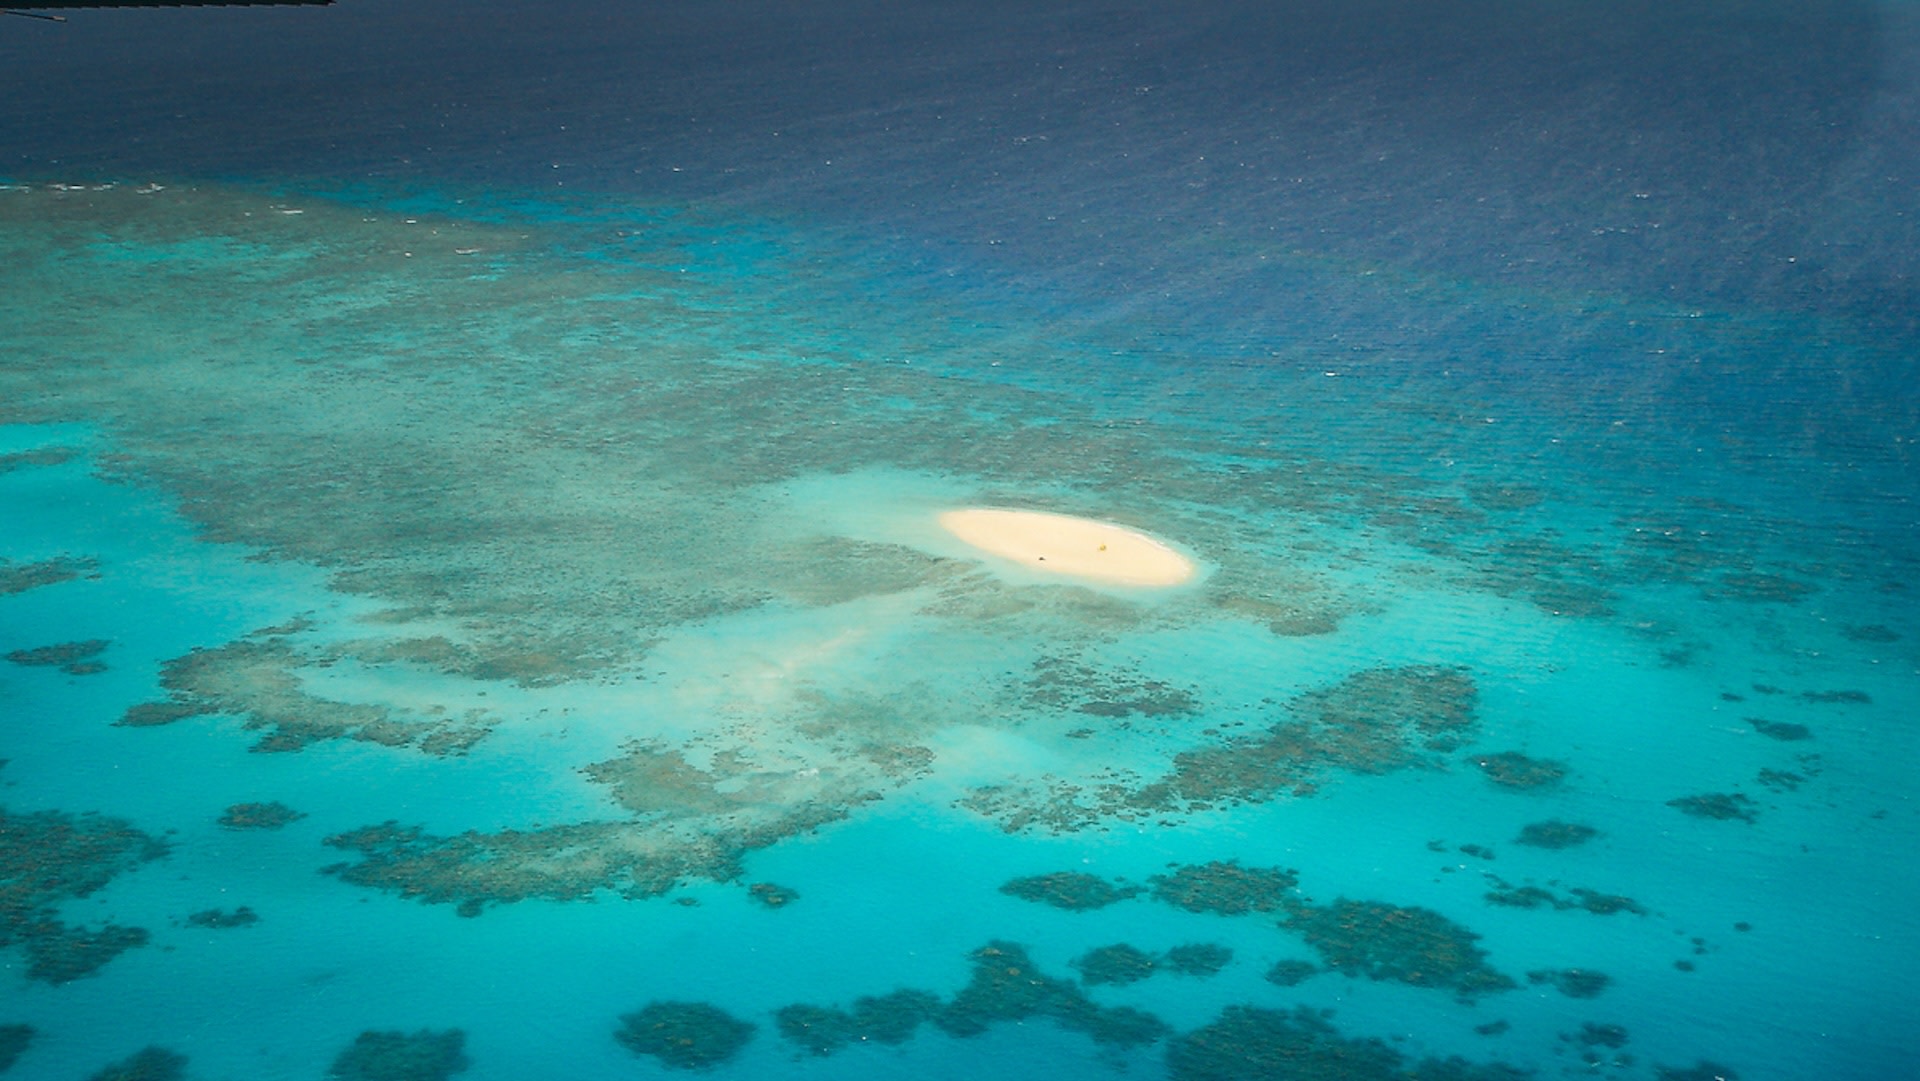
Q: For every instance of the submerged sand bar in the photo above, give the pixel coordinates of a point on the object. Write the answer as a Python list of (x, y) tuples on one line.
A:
[(1077, 547)]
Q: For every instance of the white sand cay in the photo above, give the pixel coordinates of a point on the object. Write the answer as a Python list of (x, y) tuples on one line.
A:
[(1077, 547)]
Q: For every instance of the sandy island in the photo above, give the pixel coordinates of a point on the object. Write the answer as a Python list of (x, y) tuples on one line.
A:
[(1078, 547)]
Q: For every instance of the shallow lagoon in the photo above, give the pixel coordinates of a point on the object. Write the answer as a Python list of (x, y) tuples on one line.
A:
[(567, 564)]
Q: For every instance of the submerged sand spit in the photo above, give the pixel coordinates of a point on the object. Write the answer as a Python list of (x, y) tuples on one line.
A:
[(1077, 547)]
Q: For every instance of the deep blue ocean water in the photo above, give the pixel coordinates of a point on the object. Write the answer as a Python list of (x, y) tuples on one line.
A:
[(472, 604)]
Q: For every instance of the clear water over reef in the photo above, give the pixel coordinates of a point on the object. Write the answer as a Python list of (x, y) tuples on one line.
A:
[(472, 601)]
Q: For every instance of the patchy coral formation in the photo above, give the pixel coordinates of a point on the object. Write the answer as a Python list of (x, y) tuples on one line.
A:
[(1073, 891), (559, 863), (658, 783), (1498, 497), (48, 858), (1572, 982), (1291, 971), (20, 577), (1699, 1071), (1373, 721), (1115, 964), (36, 458), (1288, 619), (1837, 698), (13, 1043), (1196, 959), (271, 815), (1123, 964), (150, 1064), (1531, 896), (1557, 578), (1757, 587), (1412, 945), (756, 796), (257, 678), (425, 1055), (1780, 780), (771, 895), (1554, 833), (1225, 888), (1780, 730), (1007, 987), (61, 954), (219, 919), (684, 1035), (1725, 806), (73, 658), (1511, 769), (1594, 1034), (1060, 683), (886, 1019), (1248, 1043), (1056, 805), (687, 821)]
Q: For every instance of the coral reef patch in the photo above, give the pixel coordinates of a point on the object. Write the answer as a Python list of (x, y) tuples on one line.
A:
[(20, 577), (425, 1055), (684, 1035), (271, 815), (1724, 806), (257, 678), (1074, 891), (1250, 1043), (217, 919), (1837, 698), (1291, 971), (885, 1019), (688, 822), (1532, 896), (1410, 945), (1225, 888), (1757, 587), (1373, 721), (1006, 986), (13, 1043), (1513, 770), (1554, 833), (48, 858), (73, 658), (148, 1064), (557, 863), (1699, 1071), (1781, 730), (1196, 958), (772, 895), (1572, 982), (1061, 683), (37, 458), (1116, 964)]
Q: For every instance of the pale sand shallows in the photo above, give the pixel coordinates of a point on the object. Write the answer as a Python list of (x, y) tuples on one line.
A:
[(1062, 544)]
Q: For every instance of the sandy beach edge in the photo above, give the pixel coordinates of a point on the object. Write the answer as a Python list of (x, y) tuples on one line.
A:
[(1063, 544)]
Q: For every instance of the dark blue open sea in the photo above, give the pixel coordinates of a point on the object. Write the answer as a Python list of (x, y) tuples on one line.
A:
[(474, 602)]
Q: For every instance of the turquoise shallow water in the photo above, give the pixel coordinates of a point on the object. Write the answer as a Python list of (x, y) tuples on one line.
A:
[(472, 603), (444, 539)]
